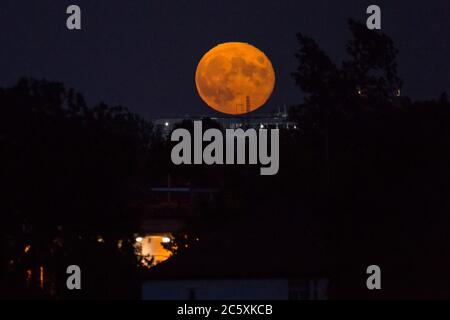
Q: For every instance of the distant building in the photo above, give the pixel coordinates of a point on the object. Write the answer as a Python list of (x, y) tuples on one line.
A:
[(279, 120)]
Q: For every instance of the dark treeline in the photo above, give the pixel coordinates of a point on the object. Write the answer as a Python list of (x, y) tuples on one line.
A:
[(366, 175), (376, 166)]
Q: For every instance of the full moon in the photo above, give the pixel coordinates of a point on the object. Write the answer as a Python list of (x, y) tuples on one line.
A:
[(235, 78)]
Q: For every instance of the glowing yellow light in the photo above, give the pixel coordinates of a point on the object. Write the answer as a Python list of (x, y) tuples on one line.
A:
[(151, 247), (41, 277), (165, 240), (139, 239), (27, 248)]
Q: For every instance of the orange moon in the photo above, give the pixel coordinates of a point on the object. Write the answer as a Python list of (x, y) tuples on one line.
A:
[(235, 78)]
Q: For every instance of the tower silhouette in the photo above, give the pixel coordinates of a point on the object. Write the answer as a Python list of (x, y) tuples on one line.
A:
[(244, 107)]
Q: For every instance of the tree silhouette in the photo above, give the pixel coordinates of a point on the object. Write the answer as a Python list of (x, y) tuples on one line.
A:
[(73, 179), (384, 166)]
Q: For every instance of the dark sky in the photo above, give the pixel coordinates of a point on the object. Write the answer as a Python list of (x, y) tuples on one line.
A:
[(143, 54)]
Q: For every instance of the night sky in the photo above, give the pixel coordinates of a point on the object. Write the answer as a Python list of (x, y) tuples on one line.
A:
[(143, 54)]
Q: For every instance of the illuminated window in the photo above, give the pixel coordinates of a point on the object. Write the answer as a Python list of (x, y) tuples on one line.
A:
[(151, 247)]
